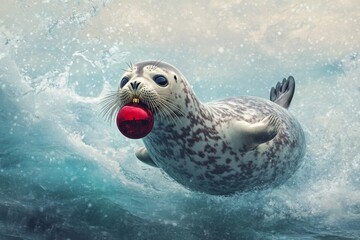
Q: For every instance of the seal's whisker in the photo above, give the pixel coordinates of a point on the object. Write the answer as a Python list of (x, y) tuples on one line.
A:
[(156, 63), (167, 115), (171, 115), (159, 110), (162, 105), (168, 110), (110, 104), (109, 98), (157, 107), (129, 65), (125, 97), (172, 105)]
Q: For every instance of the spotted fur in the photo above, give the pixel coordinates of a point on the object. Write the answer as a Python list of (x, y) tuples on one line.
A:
[(197, 149)]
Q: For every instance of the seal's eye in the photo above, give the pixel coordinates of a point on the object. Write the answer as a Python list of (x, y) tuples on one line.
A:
[(161, 80), (124, 81)]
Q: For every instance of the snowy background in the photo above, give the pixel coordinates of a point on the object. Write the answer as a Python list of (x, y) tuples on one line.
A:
[(67, 174)]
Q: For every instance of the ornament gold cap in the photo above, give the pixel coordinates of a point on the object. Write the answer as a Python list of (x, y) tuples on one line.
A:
[(136, 100)]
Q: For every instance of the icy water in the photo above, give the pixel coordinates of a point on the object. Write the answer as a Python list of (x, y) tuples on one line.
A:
[(67, 174)]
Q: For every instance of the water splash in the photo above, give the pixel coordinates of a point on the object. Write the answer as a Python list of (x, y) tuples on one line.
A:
[(65, 173)]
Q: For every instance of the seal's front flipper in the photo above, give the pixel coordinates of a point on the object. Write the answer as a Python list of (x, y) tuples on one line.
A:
[(248, 136), (283, 92), (143, 155)]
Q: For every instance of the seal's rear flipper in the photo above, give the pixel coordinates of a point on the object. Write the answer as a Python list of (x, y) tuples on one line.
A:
[(283, 92), (143, 155)]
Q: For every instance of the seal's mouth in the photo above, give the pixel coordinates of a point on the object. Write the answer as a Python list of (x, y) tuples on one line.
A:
[(162, 106), (136, 100)]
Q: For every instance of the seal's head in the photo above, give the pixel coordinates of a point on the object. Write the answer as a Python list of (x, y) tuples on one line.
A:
[(152, 83)]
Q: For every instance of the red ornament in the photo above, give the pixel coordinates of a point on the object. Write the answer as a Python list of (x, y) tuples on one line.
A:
[(135, 120)]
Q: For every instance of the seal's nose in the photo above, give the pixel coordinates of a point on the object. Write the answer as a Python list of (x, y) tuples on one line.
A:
[(135, 85)]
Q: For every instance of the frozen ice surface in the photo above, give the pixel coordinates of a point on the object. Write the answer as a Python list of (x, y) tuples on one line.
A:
[(67, 174)]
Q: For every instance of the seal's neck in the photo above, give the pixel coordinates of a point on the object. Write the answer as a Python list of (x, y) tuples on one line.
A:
[(191, 111)]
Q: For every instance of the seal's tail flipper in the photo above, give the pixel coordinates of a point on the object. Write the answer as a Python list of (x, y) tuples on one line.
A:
[(283, 92)]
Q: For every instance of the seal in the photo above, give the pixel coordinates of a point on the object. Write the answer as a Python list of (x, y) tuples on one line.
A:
[(221, 147)]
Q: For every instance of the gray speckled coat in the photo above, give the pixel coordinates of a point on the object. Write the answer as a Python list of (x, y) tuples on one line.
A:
[(203, 151)]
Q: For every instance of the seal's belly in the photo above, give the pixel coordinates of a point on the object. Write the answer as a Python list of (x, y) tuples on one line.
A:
[(200, 155)]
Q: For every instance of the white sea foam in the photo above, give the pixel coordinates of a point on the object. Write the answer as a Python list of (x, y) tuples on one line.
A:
[(56, 64)]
